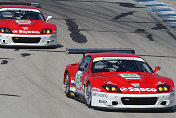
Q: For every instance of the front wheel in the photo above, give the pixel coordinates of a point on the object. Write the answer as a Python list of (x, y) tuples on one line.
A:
[(53, 47), (88, 95), (171, 109)]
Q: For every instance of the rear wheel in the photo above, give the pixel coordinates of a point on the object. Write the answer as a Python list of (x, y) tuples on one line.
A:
[(88, 95), (67, 85)]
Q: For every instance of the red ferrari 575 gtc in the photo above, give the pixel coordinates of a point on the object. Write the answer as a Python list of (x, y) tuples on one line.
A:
[(22, 24), (117, 79)]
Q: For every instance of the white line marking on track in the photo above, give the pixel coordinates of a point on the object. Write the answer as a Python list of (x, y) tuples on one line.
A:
[(161, 10)]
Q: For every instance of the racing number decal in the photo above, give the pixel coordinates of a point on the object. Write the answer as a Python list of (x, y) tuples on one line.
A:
[(78, 79)]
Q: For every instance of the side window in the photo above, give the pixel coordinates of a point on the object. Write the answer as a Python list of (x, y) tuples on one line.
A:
[(81, 63), (85, 63)]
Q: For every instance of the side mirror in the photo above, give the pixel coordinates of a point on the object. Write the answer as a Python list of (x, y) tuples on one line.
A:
[(81, 69), (49, 17), (157, 68)]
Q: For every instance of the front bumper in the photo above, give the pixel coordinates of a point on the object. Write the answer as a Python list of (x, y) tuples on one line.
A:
[(43, 40), (114, 100)]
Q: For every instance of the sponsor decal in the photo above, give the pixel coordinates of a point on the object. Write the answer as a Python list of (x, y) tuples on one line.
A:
[(124, 89), (159, 83), (53, 36), (172, 93), (109, 82), (129, 75), (19, 9), (137, 89), (23, 22), (72, 88), (135, 85), (133, 78), (102, 101), (96, 89), (25, 32), (72, 83), (15, 31), (118, 58), (99, 94), (24, 28), (78, 79), (54, 32)]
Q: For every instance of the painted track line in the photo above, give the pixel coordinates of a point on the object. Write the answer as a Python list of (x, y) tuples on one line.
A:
[(166, 13), (155, 5)]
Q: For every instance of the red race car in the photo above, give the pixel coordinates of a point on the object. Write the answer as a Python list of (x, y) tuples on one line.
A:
[(117, 79), (22, 24)]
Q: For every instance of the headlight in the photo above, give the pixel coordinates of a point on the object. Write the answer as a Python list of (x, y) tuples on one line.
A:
[(5, 30), (46, 31), (163, 88), (111, 88)]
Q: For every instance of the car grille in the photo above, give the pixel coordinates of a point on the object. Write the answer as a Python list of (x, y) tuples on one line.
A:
[(139, 100), (26, 39)]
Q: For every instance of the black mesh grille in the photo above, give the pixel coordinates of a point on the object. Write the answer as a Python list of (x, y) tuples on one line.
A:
[(139, 101), (26, 39)]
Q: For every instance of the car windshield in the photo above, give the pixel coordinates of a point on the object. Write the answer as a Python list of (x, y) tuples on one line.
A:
[(21, 14), (120, 65)]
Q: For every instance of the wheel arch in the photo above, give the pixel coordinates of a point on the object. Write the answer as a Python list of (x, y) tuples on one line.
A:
[(66, 71)]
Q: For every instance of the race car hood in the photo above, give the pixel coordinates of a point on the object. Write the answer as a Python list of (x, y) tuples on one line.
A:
[(133, 82), (29, 27)]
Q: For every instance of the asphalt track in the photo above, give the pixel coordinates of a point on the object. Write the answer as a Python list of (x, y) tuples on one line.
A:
[(31, 79)]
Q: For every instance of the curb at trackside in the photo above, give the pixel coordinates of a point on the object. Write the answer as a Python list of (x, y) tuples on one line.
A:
[(166, 13)]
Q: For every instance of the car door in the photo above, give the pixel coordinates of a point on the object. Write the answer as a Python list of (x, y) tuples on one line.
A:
[(82, 73)]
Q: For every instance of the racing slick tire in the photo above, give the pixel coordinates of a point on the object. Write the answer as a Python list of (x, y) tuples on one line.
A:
[(171, 109), (88, 95), (53, 47), (67, 85)]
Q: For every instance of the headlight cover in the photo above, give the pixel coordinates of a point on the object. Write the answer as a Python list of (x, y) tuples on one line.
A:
[(5, 30), (111, 88), (46, 31), (163, 88)]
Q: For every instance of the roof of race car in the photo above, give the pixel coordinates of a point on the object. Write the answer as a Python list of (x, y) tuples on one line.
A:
[(17, 6), (107, 54)]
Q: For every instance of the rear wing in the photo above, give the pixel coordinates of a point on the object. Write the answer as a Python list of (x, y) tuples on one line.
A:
[(21, 3), (98, 50)]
